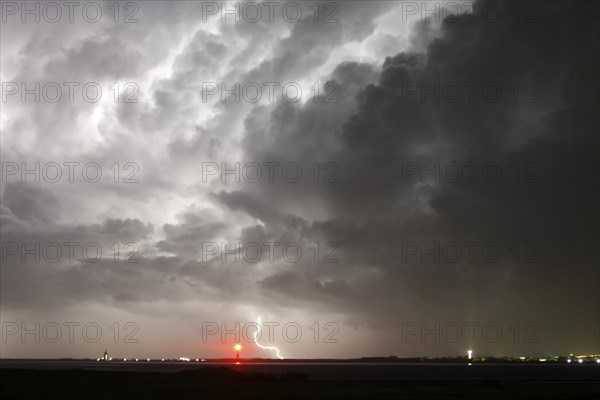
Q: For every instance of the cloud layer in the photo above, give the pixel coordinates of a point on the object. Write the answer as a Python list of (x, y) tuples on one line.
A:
[(510, 104)]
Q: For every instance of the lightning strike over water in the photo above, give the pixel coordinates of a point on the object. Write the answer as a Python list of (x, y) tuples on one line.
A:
[(272, 348)]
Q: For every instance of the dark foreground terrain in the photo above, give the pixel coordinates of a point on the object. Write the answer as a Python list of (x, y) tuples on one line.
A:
[(228, 383)]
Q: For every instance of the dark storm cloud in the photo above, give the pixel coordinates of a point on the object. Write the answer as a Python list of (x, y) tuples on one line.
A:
[(371, 210)]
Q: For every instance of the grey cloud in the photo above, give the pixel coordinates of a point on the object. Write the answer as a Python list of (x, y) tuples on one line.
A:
[(28, 202), (187, 237)]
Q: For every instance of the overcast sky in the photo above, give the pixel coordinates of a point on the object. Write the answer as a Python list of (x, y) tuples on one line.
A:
[(507, 93)]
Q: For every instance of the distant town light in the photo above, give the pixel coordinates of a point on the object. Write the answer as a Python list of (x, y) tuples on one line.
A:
[(580, 361), (470, 354), (569, 361)]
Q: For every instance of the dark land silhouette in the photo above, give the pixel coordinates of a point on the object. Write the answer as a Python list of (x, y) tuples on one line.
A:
[(298, 381)]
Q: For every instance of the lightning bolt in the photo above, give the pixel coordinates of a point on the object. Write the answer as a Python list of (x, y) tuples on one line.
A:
[(275, 349)]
